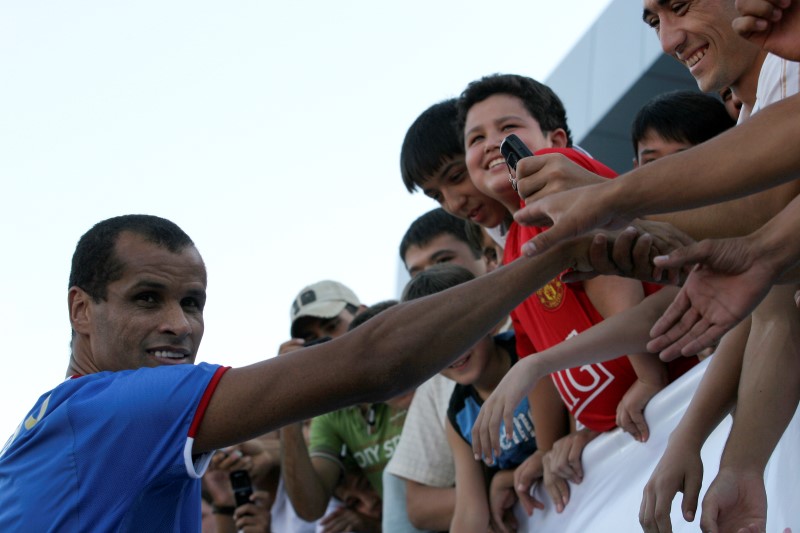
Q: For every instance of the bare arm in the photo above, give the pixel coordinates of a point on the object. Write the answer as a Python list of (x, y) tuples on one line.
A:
[(717, 170), (430, 508), (626, 332), (397, 349), (680, 469), (309, 481), (731, 277), (769, 391), (611, 295), (472, 501)]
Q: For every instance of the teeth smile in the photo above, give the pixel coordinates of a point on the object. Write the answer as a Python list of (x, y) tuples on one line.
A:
[(461, 362), (694, 58), (494, 162), (168, 355)]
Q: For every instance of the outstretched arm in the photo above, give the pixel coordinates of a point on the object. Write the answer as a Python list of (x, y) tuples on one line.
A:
[(671, 184), (626, 332), (730, 280), (388, 354)]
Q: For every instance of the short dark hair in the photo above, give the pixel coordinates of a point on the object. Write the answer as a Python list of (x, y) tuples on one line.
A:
[(681, 116), (370, 312), (430, 141), (541, 102), (436, 279), (95, 264), (432, 224)]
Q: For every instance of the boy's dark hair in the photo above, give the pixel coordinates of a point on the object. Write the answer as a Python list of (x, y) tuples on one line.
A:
[(431, 140), (370, 312), (435, 279), (432, 224), (95, 263), (681, 116), (541, 102)]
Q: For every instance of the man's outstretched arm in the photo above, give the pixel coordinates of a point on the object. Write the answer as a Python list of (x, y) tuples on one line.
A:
[(385, 356)]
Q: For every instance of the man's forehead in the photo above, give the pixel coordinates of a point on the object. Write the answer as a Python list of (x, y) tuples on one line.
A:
[(653, 6), (137, 255)]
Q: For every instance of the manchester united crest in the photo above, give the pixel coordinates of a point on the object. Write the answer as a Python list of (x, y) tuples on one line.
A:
[(551, 295)]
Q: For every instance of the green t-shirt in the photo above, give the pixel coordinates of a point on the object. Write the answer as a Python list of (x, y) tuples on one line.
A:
[(368, 446)]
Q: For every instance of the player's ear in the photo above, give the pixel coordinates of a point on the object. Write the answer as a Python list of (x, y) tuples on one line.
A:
[(80, 313), (558, 138)]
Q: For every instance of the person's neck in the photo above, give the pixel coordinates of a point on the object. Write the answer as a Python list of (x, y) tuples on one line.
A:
[(746, 87), (80, 363)]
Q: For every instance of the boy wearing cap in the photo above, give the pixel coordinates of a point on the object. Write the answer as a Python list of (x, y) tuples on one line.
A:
[(369, 432), (324, 309)]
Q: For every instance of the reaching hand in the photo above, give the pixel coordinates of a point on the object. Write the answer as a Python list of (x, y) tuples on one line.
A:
[(555, 486), (563, 463), (254, 517), (546, 174), (344, 519), (630, 253), (230, 459), (774, 25), (571, 213), (719, 293), (526, 475), (501, 502), (679, 470), (499, 407), (290, 346), (735, 501), (630, 410)]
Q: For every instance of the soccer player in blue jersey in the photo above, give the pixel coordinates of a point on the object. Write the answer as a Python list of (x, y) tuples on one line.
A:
[(122, 443)]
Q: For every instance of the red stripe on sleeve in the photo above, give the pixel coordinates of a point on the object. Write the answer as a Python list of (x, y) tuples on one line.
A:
[(201, 407)]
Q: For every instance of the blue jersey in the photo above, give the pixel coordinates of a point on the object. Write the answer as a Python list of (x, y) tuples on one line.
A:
[(110, 452), (465, 404)]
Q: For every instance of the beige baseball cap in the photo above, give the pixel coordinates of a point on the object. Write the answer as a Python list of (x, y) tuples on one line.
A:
[(324, 299)]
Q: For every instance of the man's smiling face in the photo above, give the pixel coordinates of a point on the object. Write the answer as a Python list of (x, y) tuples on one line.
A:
[(698, 33), (152, 315)]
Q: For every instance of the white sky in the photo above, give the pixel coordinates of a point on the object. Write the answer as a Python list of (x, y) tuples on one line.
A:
[(270, 132)]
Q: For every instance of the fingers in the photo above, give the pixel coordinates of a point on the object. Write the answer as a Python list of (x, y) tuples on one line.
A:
[(527, 182), (231, 459), (600, 255), (498, 525), (699, 252), (641, 425), (653, 513), (526, 474), (529, 503), (544, 241), (565, 459), (622, 252), (486, 430), (676, 321), (704, 336), (290, 346), (692, 482), (628, 420), (558, 489), (768, 10)]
